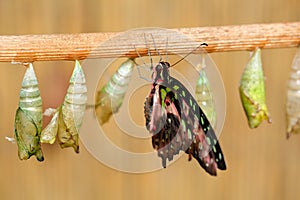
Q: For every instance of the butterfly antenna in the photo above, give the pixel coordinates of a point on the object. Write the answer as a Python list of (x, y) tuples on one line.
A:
[(148, 50), (156, 49), (139, 55), (201, 45), (167, 50), (143, 61)]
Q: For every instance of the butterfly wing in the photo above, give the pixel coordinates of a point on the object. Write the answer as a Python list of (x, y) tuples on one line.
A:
[(200, 139), (163, 121)]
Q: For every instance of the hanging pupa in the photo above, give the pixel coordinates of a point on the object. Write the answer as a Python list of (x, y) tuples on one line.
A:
[(252, 91), (293, 98), (68, 118), (110, 98), (204, 95), (28, 121)]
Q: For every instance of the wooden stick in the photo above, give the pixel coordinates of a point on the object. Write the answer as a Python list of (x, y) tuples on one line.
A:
[(29, 48)]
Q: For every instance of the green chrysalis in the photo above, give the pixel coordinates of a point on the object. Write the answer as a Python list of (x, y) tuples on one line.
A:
[(204, 96), (111, 96), (252, 91), (28, 121)]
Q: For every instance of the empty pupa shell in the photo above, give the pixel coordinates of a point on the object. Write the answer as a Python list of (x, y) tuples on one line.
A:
[(49, 133), (204, 95), (252, 91), (68, 118), (28, 121), (293, 97), (110, 98)]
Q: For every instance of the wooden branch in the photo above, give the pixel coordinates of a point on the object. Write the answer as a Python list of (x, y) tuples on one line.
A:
[(29, 48)]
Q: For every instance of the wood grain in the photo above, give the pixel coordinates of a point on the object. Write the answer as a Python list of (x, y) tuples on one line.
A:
[(29, 48)]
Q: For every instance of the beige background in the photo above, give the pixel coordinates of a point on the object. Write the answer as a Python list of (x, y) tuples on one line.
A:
[(262, 164)]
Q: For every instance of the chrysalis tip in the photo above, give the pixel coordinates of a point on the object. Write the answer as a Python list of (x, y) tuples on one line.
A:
[(29, 77), (77, 75)]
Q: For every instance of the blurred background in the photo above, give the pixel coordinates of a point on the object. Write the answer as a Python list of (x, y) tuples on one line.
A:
[(262, 164)]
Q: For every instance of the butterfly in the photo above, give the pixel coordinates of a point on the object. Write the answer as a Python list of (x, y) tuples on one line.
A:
[(177, 123)]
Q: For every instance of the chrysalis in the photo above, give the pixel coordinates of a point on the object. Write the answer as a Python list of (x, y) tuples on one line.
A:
[(252, 91), (28, 121), (67, 119), (204, 95), (110, 97), (293, 98)]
